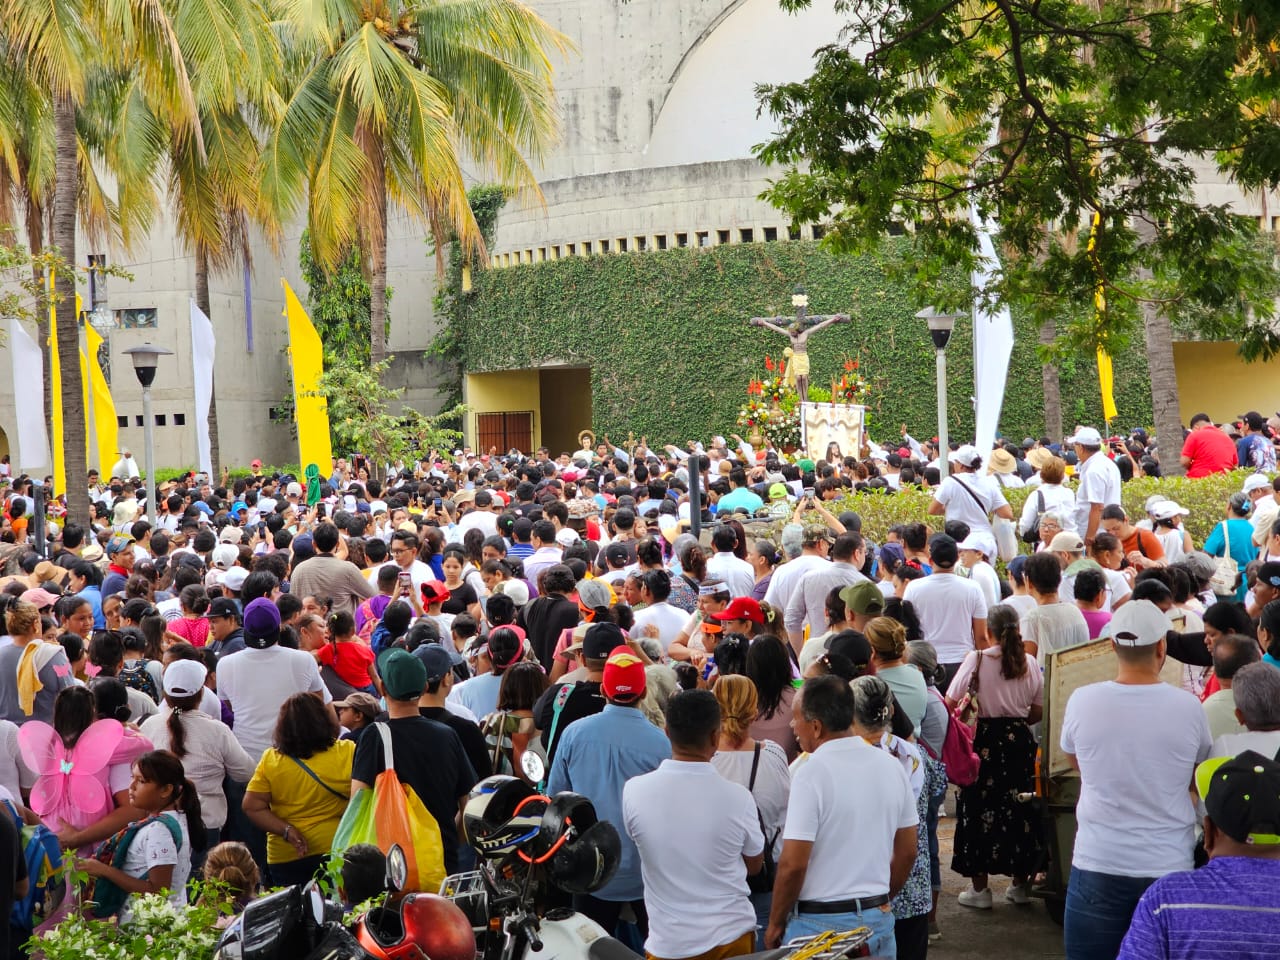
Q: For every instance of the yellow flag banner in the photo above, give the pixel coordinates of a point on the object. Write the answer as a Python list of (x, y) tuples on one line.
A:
[(1106, 379), (105, 425), (55, 392), (311, 411)]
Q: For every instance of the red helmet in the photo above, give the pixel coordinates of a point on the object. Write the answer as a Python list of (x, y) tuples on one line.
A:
[(422, 925)]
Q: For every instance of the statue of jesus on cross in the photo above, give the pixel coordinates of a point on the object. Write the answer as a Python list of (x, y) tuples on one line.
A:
[(798, 331)]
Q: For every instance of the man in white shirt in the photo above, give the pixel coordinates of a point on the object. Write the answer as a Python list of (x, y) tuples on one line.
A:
[(969, 496), (695, 878), (808, 604), (850, 839), (815, 545), (725, 565), (1263, 494), (952, 610), (1136, 742), (404, 554), (1231, 653), (482, 518), (1098, 480), (546, 551), (978, 553)]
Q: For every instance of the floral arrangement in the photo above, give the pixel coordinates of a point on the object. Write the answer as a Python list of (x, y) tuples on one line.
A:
[(851, 387), (772, 408), (157, 930)]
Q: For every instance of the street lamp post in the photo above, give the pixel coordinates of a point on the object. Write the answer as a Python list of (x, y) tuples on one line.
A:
[(940, 327), (144, 360)]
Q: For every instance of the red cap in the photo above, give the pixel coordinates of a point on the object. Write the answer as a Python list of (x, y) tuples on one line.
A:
[(624, 677), (434, 591), (740, 608)]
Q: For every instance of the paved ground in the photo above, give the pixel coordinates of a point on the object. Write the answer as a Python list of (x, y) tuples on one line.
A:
[(1006, 932)]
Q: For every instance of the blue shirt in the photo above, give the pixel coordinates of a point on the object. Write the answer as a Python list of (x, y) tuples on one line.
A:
[(739, 499), (1225, 909), (596, 756), (479, 694), (94, 596), (1240, 534)]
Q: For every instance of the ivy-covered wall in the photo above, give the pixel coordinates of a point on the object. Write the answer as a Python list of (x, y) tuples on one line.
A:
[(668, 340)]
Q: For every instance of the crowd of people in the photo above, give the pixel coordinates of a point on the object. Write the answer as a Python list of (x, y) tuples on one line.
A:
[(762, 712)]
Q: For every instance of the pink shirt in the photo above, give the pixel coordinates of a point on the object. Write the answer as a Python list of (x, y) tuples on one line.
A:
[(998, 697), (1096, 619)]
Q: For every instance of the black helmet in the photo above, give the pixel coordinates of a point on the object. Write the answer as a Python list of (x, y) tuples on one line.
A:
[(581, 853), (490, 817)]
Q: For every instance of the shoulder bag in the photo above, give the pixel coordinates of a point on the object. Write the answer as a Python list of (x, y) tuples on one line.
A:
[(316, 777), (1226, 572), (1033, 532), (762, 882), (1006, 536)]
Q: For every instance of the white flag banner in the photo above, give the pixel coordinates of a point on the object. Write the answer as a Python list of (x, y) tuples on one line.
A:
[(202, 352), (28, 400), (992, 345)]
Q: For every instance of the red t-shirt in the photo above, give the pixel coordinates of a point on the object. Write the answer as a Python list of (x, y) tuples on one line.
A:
[(1210, 451), (352, 664)]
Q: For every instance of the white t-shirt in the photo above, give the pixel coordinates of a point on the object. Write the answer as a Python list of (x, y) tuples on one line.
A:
[(1057, 499), (482, 520), (737, 574), (1265, 742), (946, 605), (1053, 627), (14, 775), (1020, 602), (1099, 482), (961, 506), (772, 786), (1137, 746), (849, 800), (695, 883), (256, 682), (668, 619), (152, 847), (985, 576)]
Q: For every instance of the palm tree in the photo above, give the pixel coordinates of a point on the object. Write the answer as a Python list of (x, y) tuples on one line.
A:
[(391, 96), (66, 47)]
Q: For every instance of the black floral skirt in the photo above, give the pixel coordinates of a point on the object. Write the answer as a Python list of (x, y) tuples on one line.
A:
[(994, 832)]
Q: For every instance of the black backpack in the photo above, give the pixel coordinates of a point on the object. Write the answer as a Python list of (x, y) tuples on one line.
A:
[(137, 676)]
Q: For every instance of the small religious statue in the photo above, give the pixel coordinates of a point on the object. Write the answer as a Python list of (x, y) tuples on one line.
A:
[(798, 331)]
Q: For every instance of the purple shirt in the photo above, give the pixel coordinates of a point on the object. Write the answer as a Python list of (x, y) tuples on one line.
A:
[(1229, 908), (1096, 619)]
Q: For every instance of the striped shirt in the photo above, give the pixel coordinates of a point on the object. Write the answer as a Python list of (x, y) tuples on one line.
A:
[(1227, 909)]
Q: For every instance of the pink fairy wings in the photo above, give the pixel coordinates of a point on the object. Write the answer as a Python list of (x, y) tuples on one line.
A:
[(71, 787)]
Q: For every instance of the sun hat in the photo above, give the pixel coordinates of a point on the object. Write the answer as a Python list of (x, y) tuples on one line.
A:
[(1002, 461)]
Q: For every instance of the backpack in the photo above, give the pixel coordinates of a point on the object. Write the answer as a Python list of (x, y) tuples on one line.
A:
[(134, 673), (42, 854), (958, 755), (108, 898)]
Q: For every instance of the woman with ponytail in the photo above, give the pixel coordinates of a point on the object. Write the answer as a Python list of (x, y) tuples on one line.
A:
[(207, 748), (994, 832), (154, 852)]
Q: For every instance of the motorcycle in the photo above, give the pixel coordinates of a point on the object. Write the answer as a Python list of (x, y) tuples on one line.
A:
[(533, 850)]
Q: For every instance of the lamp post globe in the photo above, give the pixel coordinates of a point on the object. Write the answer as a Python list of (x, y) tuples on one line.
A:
[(940, 326), (146, 358)]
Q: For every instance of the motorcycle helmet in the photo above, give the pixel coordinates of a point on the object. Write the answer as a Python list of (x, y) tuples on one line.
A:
[(581, 852), (502, 813), (420, 925)]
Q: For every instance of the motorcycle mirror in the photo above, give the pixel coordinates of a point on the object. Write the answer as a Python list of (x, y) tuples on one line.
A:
[(532, 766), (397, 868)]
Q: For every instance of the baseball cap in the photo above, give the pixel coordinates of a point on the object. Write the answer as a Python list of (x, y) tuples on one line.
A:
[(224, 556), (230, 534), (184, 678), (616, 554), (404, 676), (1066, 542), (361, 701), (256, 464), (517, 590), (118, 543), (92, 553), (438, 659), (1139, 623), (816, 533), (1167, 509), (740, 608), (567, 537), (984, 543), (293, 489), (1086, 437), (601, 639), (261, 623), (234, 578), (1241, 794), (863, 598), (224, 607), (779, 491), (42, 598), (966, 454), (1254, 420), (624, 676), (1256, 481)]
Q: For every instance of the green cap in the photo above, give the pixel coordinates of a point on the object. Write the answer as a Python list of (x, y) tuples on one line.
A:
[(863, 598), (404, 676)]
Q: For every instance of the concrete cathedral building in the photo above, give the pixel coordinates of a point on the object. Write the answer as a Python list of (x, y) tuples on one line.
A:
[(659, 120)]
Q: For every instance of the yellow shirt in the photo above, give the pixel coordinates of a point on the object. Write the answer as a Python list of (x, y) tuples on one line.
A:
[(300, 801)]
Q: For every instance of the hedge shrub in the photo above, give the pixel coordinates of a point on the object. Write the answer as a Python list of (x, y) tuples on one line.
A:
[(667, 338), (1206, 499)]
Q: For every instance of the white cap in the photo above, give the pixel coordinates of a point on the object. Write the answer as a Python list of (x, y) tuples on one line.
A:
[(1087, 437), (981, 542), (567, 537), (1138, 623), (230, 534), (184, 678), (1167, 509), (967, 455), (234, 578), (1256, 481), (225, 555), (293, 489), (517, 590)]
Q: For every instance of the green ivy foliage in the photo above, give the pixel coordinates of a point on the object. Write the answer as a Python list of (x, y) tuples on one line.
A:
[(667, 338), (338, 303)]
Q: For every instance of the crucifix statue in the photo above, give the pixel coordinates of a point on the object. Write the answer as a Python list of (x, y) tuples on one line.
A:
[(797, 331)]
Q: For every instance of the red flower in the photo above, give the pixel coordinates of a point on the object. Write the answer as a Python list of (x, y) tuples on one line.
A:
[(768, 362), (849, 365), (855, 364)]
